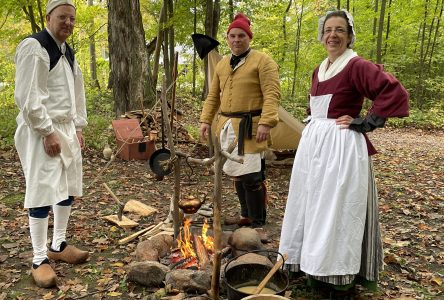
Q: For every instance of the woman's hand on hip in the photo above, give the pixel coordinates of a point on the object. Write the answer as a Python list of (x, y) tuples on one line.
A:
[(262, 133), (344, 121)]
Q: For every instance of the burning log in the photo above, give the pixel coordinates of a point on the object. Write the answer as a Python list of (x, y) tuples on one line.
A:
[(183, 263), (201, 252)]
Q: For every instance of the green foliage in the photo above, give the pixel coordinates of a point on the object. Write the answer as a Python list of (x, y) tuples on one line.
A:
[(430, 119), (100, 114), (193, 131), (8, 112)]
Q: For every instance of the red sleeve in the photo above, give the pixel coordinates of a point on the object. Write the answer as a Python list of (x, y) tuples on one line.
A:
[(390, 98)]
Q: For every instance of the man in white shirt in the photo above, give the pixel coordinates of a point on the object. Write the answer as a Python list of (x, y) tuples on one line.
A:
[(50, 95)]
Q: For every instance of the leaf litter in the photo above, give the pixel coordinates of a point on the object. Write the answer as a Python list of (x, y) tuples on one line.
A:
[(409, 170)]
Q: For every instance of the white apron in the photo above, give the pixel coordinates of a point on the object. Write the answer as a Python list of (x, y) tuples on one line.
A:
[(50, 180), (251, 161), (325, 215)]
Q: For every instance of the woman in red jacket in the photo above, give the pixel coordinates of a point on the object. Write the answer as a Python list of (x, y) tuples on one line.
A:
[(331, 229)]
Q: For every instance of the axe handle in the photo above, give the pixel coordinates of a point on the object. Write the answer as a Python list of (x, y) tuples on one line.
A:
[(112, 194), (121, 205)]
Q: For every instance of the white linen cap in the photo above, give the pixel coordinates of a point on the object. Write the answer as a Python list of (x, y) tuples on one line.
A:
[(349, 20), (54, 3)]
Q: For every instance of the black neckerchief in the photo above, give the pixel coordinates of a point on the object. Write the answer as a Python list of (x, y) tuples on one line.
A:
[(236, 59), (47, 42)]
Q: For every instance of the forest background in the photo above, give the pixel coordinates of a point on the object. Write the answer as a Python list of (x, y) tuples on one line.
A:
[(126, 48)]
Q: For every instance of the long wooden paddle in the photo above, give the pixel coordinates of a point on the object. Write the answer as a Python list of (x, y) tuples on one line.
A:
[(270, 274)]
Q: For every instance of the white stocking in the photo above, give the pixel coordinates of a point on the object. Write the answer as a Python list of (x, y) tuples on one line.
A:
[(38, 228), (61, 217)]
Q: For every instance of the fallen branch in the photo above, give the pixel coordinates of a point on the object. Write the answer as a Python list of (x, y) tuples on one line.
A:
[(135, 235), (154, 229)]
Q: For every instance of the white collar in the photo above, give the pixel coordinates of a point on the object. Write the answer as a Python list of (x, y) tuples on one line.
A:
[(337, 66)]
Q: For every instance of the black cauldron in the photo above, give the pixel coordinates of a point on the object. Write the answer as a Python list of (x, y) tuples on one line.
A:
[(251, 275)]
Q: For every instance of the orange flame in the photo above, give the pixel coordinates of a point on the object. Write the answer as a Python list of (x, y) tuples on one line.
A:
[(184, 240), (208, 241)]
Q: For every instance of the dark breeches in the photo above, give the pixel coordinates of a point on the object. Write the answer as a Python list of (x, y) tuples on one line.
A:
[(43, 212)]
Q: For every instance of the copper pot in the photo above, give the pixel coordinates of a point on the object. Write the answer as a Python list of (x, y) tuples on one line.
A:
[(190, 204)]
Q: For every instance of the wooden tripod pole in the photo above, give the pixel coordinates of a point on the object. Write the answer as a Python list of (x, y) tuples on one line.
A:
[(176, 161), (217, 228)]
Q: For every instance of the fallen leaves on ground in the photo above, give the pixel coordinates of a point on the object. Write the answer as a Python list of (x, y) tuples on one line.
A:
[(409, 171)]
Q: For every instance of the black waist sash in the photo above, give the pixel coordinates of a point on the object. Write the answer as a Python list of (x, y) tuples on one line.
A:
[(245, 126)]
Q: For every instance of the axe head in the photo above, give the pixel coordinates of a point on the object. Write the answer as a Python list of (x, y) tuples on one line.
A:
[(120, 211), (203, 44)]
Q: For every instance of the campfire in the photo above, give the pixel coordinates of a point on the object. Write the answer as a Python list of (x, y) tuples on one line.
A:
[(194, 251)]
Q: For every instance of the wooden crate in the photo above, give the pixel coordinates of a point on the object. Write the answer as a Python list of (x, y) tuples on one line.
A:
[(130, 141)]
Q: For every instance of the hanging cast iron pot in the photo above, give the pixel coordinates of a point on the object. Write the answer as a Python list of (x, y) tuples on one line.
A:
[(159, 157)]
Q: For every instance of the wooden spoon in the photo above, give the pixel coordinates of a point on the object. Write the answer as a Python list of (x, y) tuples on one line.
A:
[(270, 274)]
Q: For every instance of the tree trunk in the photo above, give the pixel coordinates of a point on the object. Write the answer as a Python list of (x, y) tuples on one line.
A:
[(296, 51), (420, 84), (29, 12), (169, 46), (171, 41), (212, 17), (436, 33), (380, 30), (387, 32), (159, 42), (338, 6), (194, 49), (92, 54), (432, 25), (41, 15), (230, 10), (375, 21), (216, 18), (128, 56), (284, 30)]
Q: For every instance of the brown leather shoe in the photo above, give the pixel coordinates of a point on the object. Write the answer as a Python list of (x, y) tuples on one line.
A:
[(43, 275), (69, 254), (238, 220)]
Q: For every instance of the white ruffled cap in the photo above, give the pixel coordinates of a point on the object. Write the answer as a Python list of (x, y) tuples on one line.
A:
[(350, 22), (54, 3)]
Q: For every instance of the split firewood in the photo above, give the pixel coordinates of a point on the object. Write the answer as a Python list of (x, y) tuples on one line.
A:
[(154, 230), (135, 235), (201, 252), (139, 208), (125, 223)]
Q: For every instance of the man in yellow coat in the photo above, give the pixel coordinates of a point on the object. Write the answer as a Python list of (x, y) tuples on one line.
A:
[(245, 90)]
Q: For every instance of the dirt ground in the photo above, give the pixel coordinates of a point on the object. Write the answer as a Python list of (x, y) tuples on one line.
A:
[(409, 171)]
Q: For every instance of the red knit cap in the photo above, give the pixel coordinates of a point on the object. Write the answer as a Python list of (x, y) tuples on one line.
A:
[(241, 21)]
